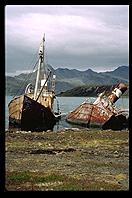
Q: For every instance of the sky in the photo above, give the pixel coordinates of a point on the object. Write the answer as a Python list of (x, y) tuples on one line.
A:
[(76, 36)]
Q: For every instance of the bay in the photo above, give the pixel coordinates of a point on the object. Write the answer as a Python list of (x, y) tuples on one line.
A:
[(67, 104)]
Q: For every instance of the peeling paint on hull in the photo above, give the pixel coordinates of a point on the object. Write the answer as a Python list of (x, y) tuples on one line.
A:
[(113, 122), (36, 117), (102, 113)]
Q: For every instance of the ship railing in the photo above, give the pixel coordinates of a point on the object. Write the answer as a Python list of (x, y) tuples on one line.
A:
[(47, 93)]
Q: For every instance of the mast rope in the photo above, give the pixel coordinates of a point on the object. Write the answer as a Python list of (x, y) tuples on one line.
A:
[(22, 85), (27, 76)]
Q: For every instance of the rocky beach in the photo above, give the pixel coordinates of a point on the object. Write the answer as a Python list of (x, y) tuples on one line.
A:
[(67, 160)]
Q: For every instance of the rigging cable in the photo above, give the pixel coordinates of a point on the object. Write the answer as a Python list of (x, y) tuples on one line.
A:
[(25, 81), (27, 76)]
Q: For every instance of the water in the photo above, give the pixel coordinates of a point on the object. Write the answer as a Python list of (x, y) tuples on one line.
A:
[(67, 104)]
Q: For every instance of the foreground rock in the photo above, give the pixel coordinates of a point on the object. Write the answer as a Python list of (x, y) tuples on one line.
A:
[(71, 159)]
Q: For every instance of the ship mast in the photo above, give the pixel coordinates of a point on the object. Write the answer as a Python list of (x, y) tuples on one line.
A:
[(40, 65)]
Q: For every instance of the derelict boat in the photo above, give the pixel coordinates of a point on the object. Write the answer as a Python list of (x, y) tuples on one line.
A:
[(33, 111), (102, 112)]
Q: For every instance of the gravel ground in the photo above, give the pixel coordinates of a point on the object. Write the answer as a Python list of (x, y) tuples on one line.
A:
[(68, 160)]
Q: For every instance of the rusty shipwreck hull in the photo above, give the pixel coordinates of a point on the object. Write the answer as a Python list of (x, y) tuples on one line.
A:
[(15, 111), (101, 112), (34, 117), (91, 115)]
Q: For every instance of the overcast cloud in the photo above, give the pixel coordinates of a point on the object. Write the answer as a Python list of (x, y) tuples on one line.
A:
[(77, 37)]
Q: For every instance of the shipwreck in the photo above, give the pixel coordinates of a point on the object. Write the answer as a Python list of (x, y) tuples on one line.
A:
[(102, 112), (33, 110)]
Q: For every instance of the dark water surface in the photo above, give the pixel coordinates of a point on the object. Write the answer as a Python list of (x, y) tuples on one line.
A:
[(67, 104)]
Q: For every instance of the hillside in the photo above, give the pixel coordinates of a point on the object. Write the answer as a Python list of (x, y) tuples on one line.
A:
[(90, 91), (70, 78), (121, 72)]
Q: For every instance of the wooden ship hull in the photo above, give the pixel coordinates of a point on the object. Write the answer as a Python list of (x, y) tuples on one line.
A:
[(101, 113), (33, 111), (15, 111), (29, 115), (36, 117)]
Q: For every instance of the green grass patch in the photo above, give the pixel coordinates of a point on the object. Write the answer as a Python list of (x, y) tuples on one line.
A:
[(28, 176), (19, 177), (66, 183)]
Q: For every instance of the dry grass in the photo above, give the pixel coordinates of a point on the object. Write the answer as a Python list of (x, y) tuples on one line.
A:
[(72, 159)]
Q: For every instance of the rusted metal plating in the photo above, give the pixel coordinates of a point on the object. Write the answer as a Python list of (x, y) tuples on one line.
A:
[(117, 92), (99, 112)]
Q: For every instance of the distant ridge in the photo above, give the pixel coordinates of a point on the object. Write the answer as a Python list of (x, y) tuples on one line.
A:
[(71, 78), (121, 72)]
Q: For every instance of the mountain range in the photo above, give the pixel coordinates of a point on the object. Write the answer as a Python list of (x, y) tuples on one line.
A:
[(69, 78)]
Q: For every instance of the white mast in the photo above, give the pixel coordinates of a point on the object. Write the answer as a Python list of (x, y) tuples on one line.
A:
[(44, 73), (41, 60)]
